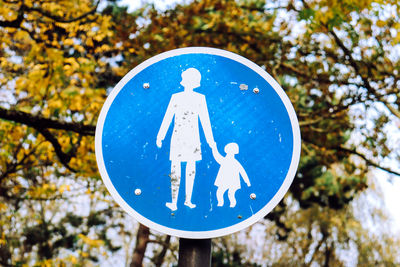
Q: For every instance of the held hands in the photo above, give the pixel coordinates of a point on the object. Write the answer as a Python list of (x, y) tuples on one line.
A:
[(159, 142), (215, 152), (213, 145)]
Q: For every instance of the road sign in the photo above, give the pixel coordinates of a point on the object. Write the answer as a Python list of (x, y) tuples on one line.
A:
[(197, 143)]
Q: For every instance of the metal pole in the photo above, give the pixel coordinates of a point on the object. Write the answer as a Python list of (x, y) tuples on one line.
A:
[(194, 253)]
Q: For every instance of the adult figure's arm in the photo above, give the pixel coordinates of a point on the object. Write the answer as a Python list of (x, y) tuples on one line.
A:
[(205, 123), (169, 114)]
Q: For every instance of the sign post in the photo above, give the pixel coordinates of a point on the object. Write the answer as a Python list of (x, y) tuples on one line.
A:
[(197, 143), (194, 252)]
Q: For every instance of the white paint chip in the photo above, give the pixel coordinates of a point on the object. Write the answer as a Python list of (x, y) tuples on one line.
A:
[(243, 87)]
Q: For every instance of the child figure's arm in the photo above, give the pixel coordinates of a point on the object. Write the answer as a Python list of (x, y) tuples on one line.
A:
[(244, 175), (218, 158)]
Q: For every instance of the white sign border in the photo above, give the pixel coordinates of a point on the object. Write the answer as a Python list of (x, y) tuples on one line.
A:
[(199, 234)]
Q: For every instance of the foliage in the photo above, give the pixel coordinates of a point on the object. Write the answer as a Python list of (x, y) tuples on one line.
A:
[(337, 60), (52, 54)]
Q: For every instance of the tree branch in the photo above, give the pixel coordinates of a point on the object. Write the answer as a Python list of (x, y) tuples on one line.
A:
[(16, 22), (13, 166), (61, 19), (142, 239), (310, 122), (368, 161), (39, 122), (159, 258), (391, 108), (317, 78), (355, 152), (320, 242), (364, 78), (42, 125), (356, 67), (63, 157)]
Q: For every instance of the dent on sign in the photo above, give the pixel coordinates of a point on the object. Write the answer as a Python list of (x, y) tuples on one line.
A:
[(197, 154)]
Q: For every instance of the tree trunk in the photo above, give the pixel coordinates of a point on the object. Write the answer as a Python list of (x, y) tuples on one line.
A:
[(159, 259), (328, 252), (142, 238)]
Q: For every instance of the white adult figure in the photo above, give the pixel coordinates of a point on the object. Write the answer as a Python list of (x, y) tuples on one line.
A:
[(186, 108)]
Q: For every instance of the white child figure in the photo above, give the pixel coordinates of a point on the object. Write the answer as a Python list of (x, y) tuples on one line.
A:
[(228, 177)]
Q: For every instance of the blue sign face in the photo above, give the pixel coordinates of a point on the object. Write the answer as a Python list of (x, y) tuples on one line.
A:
[(197, 143)]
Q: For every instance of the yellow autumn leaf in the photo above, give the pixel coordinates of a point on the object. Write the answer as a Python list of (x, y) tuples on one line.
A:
[(91, 242), (380, 23), (3, 207)]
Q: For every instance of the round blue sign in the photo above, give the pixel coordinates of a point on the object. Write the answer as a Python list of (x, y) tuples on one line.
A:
[(197, 143)]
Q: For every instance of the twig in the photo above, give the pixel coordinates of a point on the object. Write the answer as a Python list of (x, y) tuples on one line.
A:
[(368, 161)]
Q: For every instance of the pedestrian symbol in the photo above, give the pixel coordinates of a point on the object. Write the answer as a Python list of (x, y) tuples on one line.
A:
[(186, 108), (197, 143), (228, 174)]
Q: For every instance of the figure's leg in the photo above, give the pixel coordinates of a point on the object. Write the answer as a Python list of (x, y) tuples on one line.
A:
[(220, 196), (190, 175), (231, 196), (175, 181)]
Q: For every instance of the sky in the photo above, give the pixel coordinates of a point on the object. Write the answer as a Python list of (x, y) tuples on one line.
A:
[(160, 4), (391, 189)]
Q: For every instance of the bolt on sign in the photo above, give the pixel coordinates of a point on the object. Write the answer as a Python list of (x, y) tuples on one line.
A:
[(197, 143)]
